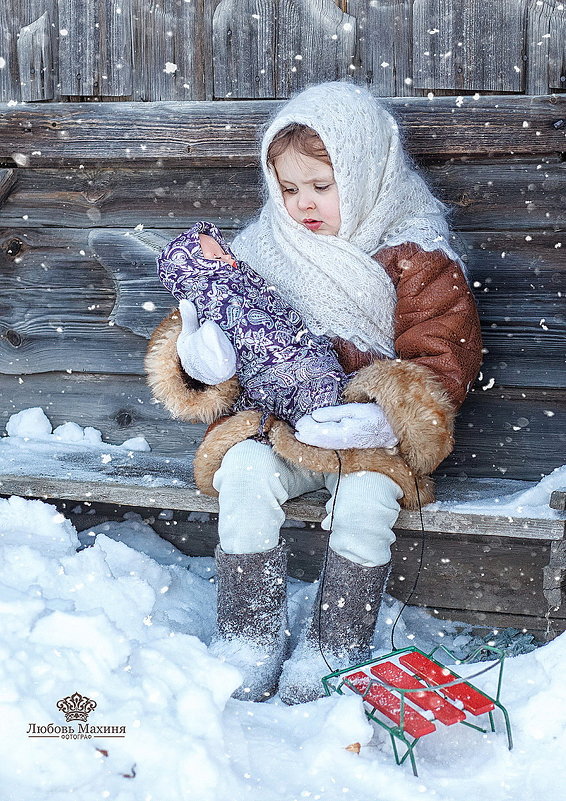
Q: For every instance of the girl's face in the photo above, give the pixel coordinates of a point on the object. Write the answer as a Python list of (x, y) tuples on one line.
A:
[(309, 191)]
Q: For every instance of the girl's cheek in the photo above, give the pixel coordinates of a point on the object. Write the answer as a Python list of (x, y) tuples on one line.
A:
[(288, 204)]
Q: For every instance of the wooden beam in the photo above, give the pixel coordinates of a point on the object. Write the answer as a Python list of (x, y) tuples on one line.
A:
[(7, 181), (202, 132), (35, 59), (558, 499), (515, 193)]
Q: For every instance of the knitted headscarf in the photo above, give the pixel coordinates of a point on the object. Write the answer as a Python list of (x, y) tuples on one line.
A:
[(332, 281)]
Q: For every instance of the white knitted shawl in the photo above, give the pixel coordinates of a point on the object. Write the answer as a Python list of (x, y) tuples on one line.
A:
[(332, 281)]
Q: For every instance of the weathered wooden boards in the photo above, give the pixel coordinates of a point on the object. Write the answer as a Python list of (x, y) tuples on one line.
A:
[(466, 46), (138, 49), (486, 579), (208, 133), (171, 50), (74, 304), (545, 46), (35, 59), (504, 194), (214, 49), (271, 48)]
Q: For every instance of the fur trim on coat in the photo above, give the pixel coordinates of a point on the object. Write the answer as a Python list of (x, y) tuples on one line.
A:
[(183, 398), (413, 399)]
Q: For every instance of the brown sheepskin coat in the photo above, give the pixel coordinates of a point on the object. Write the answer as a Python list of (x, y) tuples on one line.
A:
[(438, 346)]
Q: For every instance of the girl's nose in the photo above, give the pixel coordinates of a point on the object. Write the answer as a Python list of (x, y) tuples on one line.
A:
[(305, 201)]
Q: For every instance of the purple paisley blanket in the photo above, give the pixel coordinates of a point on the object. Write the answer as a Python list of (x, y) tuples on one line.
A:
[(282, 367)]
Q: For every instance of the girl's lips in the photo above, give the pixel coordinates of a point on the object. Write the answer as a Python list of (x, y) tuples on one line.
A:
[(312, 225)]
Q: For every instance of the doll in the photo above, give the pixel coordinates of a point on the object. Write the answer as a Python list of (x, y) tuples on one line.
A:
[(283, 368)]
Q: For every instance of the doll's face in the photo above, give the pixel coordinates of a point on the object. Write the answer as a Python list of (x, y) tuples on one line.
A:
[(309, 191)]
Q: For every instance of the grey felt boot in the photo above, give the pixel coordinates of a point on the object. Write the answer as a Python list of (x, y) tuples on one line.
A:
[(343, 624), (251, 628)]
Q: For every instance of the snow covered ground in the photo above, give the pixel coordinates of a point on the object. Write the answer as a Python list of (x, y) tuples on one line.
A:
[(122, 617), (126, 622)]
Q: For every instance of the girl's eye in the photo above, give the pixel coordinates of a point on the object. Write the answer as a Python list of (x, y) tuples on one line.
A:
[(292, 190)]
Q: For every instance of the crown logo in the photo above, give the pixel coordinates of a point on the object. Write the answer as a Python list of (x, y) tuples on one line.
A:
[(76, 707)]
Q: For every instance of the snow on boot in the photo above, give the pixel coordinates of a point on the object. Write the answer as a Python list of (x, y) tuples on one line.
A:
[(351, 596), (252, 618)]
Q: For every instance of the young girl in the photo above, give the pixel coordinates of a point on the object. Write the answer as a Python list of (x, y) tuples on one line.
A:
[(351, 237)]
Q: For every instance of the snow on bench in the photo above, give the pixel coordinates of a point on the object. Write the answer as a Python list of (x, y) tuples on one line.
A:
[(45, 467)]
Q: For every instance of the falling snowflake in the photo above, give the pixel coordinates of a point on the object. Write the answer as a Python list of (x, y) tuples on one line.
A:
[(21, 159)]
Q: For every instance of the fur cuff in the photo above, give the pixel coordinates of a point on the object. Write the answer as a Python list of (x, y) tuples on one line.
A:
[(219, 439), (416, 406), (168, 381)]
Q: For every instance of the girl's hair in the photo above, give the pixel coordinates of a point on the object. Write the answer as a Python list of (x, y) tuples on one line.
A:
[(302, 139)]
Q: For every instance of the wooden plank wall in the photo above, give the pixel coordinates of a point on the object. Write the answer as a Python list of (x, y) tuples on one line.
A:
[(80, 296), (144, 50)]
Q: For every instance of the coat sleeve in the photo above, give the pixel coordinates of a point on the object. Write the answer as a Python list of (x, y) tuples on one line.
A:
[(436, 319), (184, 397), (438, 347)]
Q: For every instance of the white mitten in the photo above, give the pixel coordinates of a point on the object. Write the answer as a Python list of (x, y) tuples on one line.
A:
[(351, 425), (206, 353)]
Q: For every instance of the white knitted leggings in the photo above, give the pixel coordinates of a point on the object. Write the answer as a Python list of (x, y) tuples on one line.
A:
[(253, 482)]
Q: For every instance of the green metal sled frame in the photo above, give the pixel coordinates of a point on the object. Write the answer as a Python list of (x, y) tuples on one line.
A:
[(334, 682)]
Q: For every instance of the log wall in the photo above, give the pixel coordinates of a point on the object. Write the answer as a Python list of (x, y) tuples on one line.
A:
[(144, 50)]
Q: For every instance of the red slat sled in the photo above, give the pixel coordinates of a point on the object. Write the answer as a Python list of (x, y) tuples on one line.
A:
[(472, 700), (443, 710), (388, 704)]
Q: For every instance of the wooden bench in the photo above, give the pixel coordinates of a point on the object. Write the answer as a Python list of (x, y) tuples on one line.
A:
[(78, 179)]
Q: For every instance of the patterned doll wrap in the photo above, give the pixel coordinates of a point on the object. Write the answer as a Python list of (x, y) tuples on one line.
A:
[(282, 367)]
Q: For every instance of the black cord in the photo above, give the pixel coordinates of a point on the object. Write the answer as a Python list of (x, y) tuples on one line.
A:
[(413, 588), (323, 573), (418, 571)]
